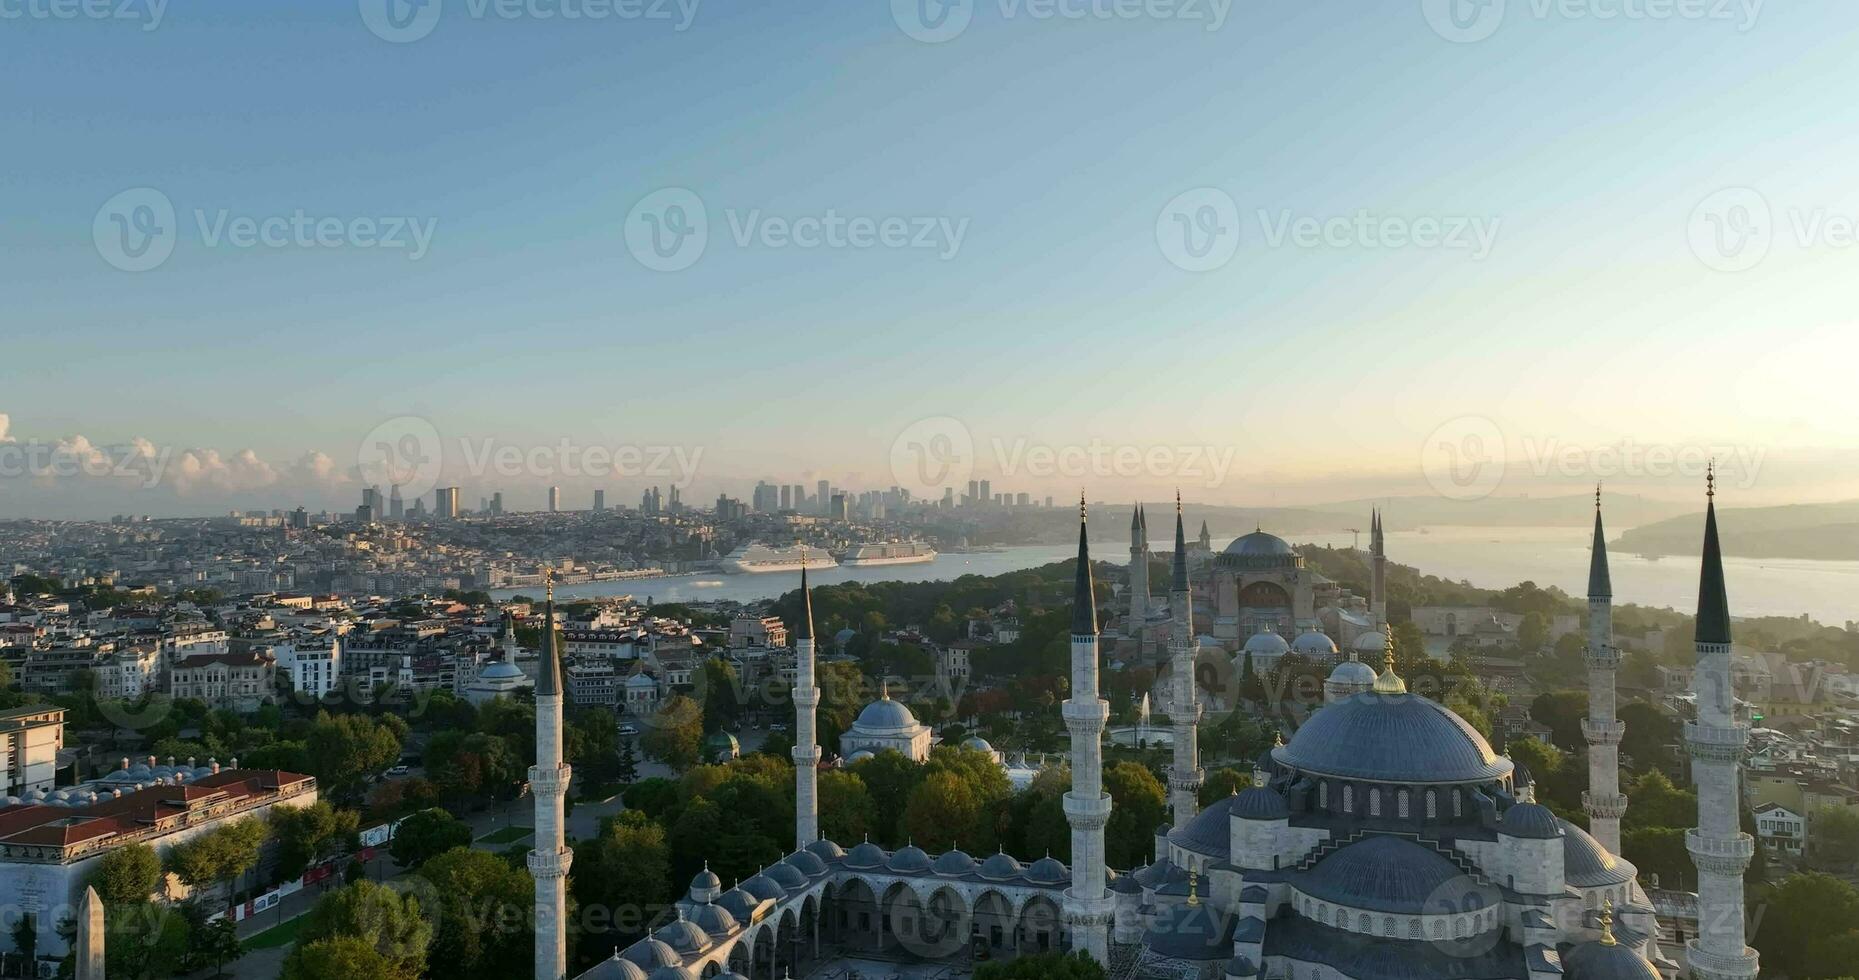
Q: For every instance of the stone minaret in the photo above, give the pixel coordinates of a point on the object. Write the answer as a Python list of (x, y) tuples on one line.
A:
[(1603, 801), (1184, 777), (1718, 846), (806, 708), (1088, 904), (1139, 573), (90, 936), (1378, 566), (548, 782)]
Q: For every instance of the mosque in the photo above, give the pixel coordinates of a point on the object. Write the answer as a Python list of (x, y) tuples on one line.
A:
[(1385, 840)]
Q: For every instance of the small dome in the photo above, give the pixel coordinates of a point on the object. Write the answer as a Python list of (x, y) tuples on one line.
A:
[(826, 850), (1241, 968), (502, 670), (1373, 641), (954, 863), (650, 954), (714, 920), (614, 968), (858, 757), (1267, 642), (976, 743), (1313, 643), (1354, 673), (672, 973), (683, 936), (740, 904), (790, 878), (1000, 867), (1530, 821), (1047, 871), (885, 716), (706, 881), (1586, 864), (1210, 833), (866, 855), (1604, 961), (1260, 803), (1126, 885), (807, 864), (909, 860), (764, 888)]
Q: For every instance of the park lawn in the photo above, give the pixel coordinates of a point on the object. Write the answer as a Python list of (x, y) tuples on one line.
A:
[(279, 935), (508, 835)]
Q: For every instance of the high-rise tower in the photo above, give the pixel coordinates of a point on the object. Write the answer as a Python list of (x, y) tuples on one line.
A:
[(806, 709), (1602, 728), (1139, 573), (548, 782), (1088, 906), (1184, 777), (1718, 846)]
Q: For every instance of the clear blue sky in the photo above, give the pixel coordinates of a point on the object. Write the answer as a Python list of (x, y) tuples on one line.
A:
[(1586, 142)]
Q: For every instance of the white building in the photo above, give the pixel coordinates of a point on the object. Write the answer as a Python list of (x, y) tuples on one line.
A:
[(29, 742), (885, 724), (313, 668), (1781, 830)]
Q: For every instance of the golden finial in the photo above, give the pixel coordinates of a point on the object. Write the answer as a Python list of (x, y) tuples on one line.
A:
[(1194, 889), (1710, 478), (1177, 500), (1389, 682), (1597, 495), (1278, 740), (1607, 924), (1081, 511)]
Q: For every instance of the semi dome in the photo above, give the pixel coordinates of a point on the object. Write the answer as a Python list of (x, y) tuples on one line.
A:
[(866, 855), (909, 859), (1193, 931), (1396, 738), (1606, 961), (1000, 867), (1260, 803), (1259, 544), (954, 863), (1047, 870), (885, 717), (1210, 832), (1586, 864), (1391, 874)]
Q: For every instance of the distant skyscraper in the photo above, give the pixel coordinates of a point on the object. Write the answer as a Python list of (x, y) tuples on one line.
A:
[(600, 501), (677, 500), (445, 503), (825, 498), (1023, 500), (396, 507), (300, 519), (787, 497), (987, 492), (555, 499), (371, 499), (974, 493), (497, 502)]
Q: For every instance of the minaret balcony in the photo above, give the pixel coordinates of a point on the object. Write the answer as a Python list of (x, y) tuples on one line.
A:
[(807, 698), (1603, 733), (1717, 966), (549, 782), (550, 864), (1185, 778), (1086, 814), (1606, 658), (1713, 743), (806, 755), (1604, 806), (1713, 855), (1085, 715)]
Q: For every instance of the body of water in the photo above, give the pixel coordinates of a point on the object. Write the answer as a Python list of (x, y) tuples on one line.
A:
[(1487, 557)]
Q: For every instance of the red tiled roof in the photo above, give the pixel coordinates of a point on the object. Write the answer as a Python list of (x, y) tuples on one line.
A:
[(34, 824)]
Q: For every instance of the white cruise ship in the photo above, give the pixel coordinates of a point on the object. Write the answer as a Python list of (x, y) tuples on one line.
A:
[(887, 553), (758, 557)]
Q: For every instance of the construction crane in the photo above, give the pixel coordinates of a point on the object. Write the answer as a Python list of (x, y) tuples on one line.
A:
[(1358, 536)]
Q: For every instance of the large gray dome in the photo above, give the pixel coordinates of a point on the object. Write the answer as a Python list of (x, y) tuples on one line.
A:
[(885, 716), (1601, 961), (1396, 738), (1259, 544), (1390, 874)]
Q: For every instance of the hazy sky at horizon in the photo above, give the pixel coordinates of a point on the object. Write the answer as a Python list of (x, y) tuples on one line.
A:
[(1618, 165)]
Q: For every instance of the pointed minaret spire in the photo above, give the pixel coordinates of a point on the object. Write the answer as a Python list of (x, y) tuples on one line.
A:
[(549, 671), (1713, 601), (1602, 728), (1185, 774), (806, 751), (1084, 597), (805, 630), (1138, 616), (1599, 583), (1181, 550), (550, 857)]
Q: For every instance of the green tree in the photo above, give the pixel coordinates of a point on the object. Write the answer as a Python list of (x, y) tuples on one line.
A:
[(219, 855), (426, 835), (479, 894), (307, 835), (390, 923), (127, 875), (1533, 631), (144, 940), (888, 777), (847, 811), (344, 750), (1659, 851), (1562, 711), (1658, 803), (1833, 838), (942, 812), (1811, 922), (340, 958), (217, 942), (627, 769), (628, 865), (723, 698), (676, 737), (1139, 805)]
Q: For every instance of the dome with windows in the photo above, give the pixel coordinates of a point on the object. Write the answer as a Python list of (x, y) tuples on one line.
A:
[(1259, 542), (885, 717), (1393, 738)]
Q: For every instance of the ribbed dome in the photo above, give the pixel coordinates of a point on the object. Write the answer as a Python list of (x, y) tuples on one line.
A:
[(1210, 833), (765, 888), (672, 973), (826, 850), (683, 936), (1586, 864), (1373, 641), (614, 968), (1530, 821), (1047, 871), (650, 954), (1397, 738), (885, 716), (1599, 961), (788, 877), (866, 855), (1000, 867), (1260, 803), (740, 904), (954, 863), (714, 920), (909, 860), (1313, 643), (1259, 544), (1390, 874)]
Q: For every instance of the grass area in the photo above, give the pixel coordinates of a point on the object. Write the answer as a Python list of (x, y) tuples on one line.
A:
[(508, 835), (278, 935)]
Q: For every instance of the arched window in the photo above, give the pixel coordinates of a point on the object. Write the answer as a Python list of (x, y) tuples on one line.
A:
[(1387, 926), (1458, 802), (1349, 798), (1413, 929), (1439, 928), (1323, 794), (1362, 924), (1432, 805), (1401, 804), (1374, 802)]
